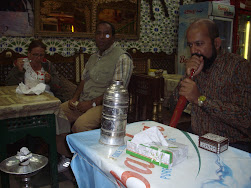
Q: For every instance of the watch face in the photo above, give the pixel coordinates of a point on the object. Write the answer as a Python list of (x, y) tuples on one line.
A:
[(202, 98)]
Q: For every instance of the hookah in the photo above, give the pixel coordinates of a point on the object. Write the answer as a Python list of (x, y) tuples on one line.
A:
[(24, 165), (179, 107)]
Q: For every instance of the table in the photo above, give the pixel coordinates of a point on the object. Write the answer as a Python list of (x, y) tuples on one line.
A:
[(22, 115), (13, 105), (97, 165)]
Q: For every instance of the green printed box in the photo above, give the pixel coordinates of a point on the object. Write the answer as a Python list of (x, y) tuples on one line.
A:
[(159, 155)]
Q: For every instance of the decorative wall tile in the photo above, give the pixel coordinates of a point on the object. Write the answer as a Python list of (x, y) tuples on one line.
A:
[(155, 36)]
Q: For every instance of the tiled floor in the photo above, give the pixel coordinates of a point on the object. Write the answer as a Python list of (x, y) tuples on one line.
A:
[(42, 180)]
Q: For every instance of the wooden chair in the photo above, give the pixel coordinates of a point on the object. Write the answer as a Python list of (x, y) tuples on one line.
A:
[(7, 58), (141, 65), (146, 98), (159, 60), (69, 67), (70, 70)]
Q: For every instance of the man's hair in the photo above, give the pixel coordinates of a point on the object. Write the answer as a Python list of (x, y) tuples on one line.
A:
[(36, 43), (212, 28), (105, 22)]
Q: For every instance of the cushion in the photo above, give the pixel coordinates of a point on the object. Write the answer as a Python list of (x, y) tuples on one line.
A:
[(66, 90)]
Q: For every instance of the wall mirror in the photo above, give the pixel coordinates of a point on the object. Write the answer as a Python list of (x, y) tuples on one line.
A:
[(78, 18)]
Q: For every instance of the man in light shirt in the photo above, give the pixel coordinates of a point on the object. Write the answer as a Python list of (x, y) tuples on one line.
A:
[(110, 62)]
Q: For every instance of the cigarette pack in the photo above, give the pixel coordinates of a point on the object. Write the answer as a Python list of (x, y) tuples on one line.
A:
[(213, 143)]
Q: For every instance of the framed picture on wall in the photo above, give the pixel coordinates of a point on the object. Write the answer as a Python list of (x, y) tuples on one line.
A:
[(75, 18), (17, 18)]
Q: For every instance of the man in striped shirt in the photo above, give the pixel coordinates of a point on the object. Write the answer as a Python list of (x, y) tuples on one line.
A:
[(220, 91)]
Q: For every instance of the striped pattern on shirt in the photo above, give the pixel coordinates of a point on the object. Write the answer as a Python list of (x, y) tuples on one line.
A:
[(123, 70)]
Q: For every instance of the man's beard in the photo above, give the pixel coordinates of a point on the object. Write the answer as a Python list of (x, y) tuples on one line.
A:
[(208, 61)]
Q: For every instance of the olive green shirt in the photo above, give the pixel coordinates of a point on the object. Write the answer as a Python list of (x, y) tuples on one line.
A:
[(101, 70)]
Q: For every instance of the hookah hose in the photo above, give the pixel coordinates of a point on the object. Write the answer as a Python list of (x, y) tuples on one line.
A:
[(179, 107)]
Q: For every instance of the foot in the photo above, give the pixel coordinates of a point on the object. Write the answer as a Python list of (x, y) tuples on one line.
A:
[(63, 164)]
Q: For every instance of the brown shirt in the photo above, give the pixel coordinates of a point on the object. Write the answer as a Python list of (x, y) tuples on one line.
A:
[(227, 109)]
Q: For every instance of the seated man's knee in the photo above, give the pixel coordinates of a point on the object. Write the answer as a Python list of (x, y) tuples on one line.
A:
[(64, 106), (89, 120), (82, 125)]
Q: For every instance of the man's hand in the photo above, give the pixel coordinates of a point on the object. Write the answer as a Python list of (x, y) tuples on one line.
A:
[(20, 64), (72, 104), (84, 106), (196, 63), (189, 90)]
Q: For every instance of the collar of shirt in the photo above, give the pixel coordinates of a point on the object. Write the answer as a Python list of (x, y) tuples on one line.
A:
[(108, 50)]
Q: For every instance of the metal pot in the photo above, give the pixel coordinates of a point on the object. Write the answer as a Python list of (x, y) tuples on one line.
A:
[(114, 114)]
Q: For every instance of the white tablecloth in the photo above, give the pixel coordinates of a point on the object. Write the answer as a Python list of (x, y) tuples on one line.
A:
[(97, 165)]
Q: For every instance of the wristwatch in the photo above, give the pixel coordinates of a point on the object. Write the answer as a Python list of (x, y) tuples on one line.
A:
[(201, 100)]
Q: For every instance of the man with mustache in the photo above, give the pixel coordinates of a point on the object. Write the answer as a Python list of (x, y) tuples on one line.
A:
[(220, 91)]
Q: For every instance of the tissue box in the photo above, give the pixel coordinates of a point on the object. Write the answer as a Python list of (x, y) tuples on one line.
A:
[(159, 155), (214, 143)]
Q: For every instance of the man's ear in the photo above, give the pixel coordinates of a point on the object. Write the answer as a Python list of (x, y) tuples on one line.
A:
[(217, 43)]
